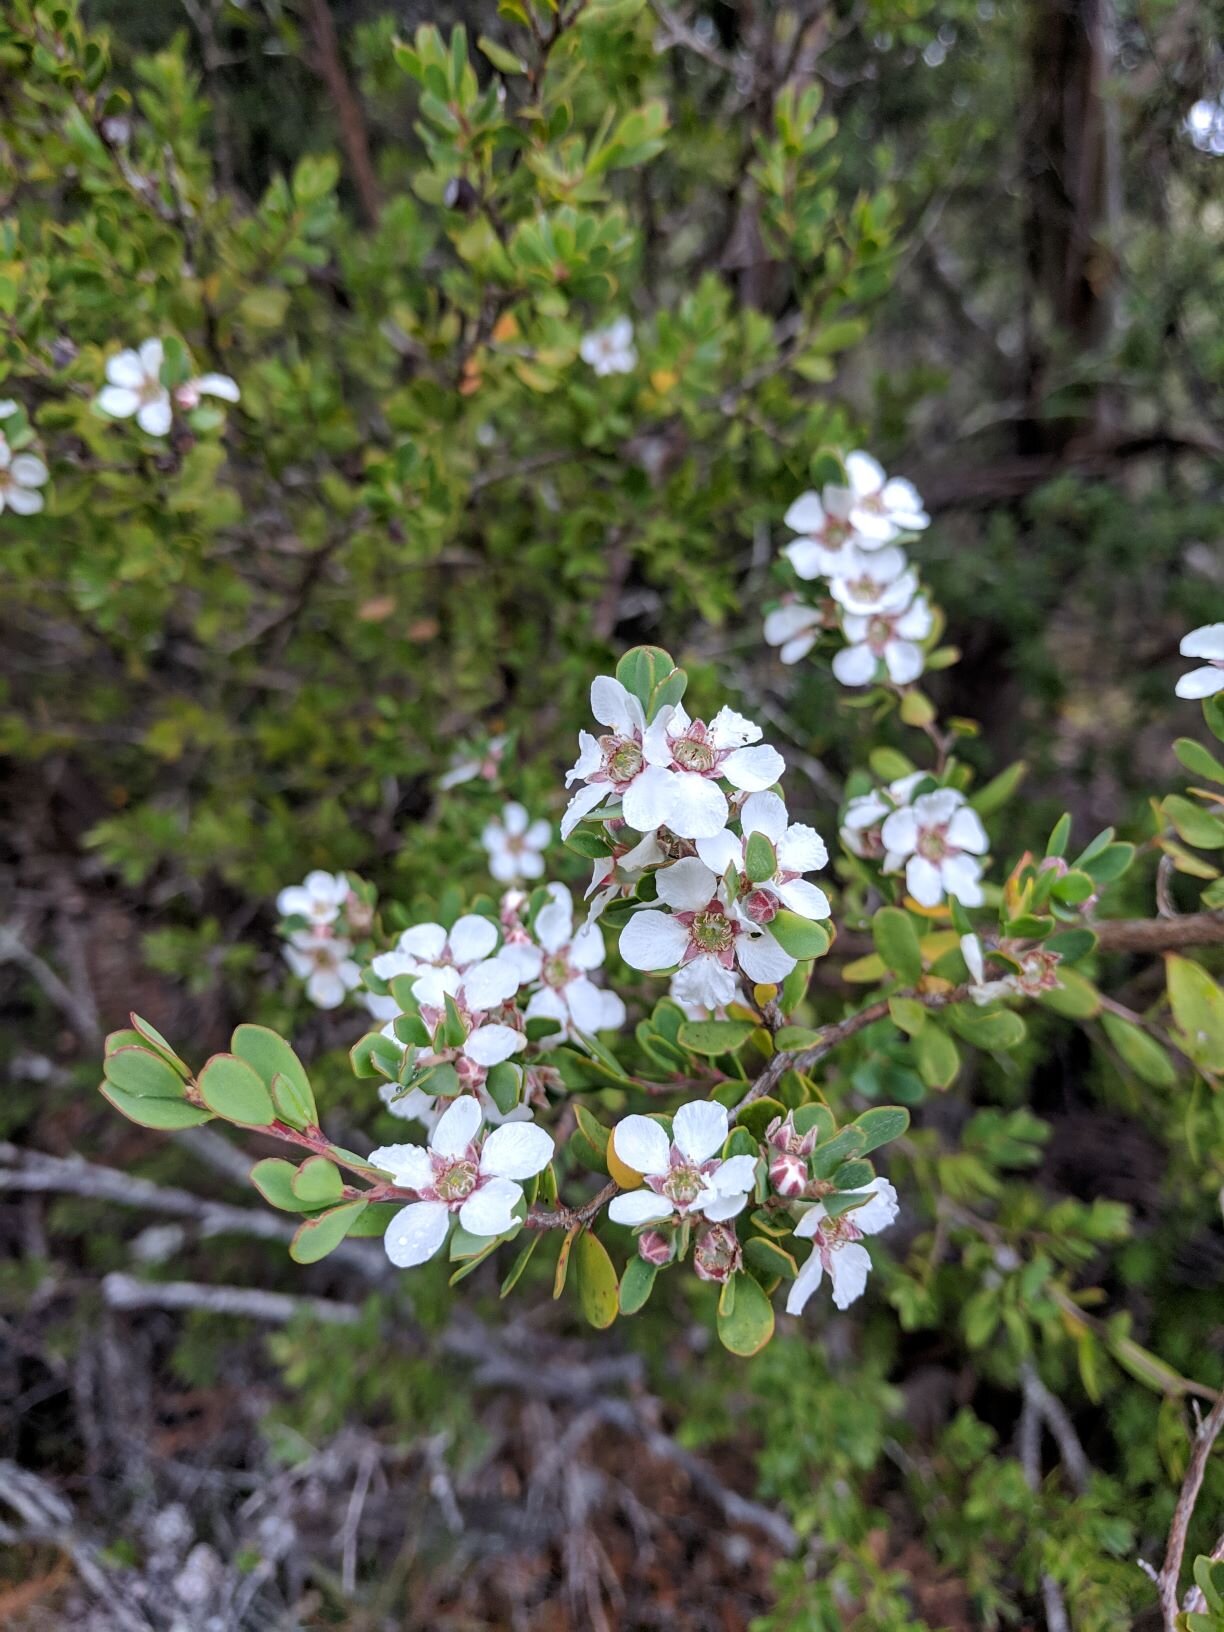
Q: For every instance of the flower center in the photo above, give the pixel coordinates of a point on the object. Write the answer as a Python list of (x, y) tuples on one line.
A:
[(691, 754), (838, 1232), (879, 633), (711, 931), (932, 844), (556, 971), (683, 1185), (622, 758), (457, 1180)]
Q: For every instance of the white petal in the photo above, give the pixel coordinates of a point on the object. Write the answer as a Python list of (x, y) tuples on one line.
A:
[(28, 470), (866, 474), (554, 925), (804, 898), (936, 808), (801, 849), (971, 951), (720, 852), (424, 941), (917, 623), (808, 559), (416, 1232), (547, 1004), (762, 959), (811, 1221), (753, 769), (154, 417), (717, 1207), (638, 1207), (590, 758), (900, 832), (736, 1175), (647, 801), (117, 401), (960, 877), (854, 665), (699, 1129), (687, 885), (764, 813), (457, 1127), (697, 808), (386, 965), (325, 989), (785, 622), (217, 385), (793, 650), (1207, 641), (586, 798), (22, 501), (489, 1210), (704, 981), (514, 818), (653, 940), (924, 881), (519, 1150), (806, 514), (538, 834), (408, 1165), (587, 948), (471, 939), (612, 705), (731, 730), (487, 984), (125, 369), (804, 1284), (1200, 683), (849, 1268), (490, 1045), (904, 661), (152, 355), (642, 1144), (881, 1211)]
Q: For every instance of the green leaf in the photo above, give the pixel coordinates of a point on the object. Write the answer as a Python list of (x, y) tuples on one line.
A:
[(1059, 837), (506, 62), (293, 1104), (992, 1029), (711, 1037), (317, 1182), (770, 1258), (1075, 998), (936, 1056), (522, 1259), (270, 1057), (1143, 1054), (273, 1178), (854, 1175), (167, 1115), (1072, 944), (1193, 824), (598, 1291), (760, 858), (1108, 864), (637, 1283), (896, 940), (641, 669), (795, 1037), (586, 841), (505, 1083), (830, 1155), (667, 692), (1074, 887), (318, 1236), (803, 938), (819, 1117), (142, 1074), (1199, 761), (998, 791), (154, 1037), (881, 1125), (232, 1089), (1198, 1009), (755, 1118), (907, 1014), (748, 1321), (563, 1260)]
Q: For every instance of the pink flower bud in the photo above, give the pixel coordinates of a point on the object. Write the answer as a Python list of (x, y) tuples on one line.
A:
[(657, 1247), (717, 1255), (788, 1174)]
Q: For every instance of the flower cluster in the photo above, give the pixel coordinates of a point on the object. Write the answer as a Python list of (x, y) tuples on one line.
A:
[(141, 384), (315, 922), (22, 472), (849, 535), (929, 833)]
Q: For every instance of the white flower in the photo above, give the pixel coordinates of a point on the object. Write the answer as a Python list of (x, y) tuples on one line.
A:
[(824, 525), (482, 989), (1205, 128), (797, 850), (864, 816), (468, 764), (868, 582), (134, 387), (702, 938), (415, 1105), (795, 627), (1208, 643), (886, 637), (696, 756), (683, 1174), (880, 509), (514, 844), (567, 992), (323, 962), (936, 841), (458, 1173), (615, 765), (470, 939), (835, 1246), (319, 899), (21, 475), (610, 350)]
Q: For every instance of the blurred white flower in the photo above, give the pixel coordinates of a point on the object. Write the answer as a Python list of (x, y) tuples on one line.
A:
[(701, 938), (1207, 643), (864, 816), (515, 844), (872, 581), (824, 526), (937, 840), (890, 638), (684, 1174), (610, 350), (134, 387), (323, 961), (459, 1173), (21, 475), (566, 992), (318, 899), (795, 627), (1205, 127), (836, 1249), (881, 508), (469, 763)]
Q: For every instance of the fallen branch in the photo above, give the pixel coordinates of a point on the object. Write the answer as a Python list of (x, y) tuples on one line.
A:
[(277, 1308)]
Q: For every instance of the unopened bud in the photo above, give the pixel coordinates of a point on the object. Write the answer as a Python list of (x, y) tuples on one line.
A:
[(788, 1174), (717, 1255), (657, 1247)]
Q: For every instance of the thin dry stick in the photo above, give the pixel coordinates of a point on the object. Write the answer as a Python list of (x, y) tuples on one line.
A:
[(1170, 1573), (329, 64), (249, 1303), (1042, 1406)]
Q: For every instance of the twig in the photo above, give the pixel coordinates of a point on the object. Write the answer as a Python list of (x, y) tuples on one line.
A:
[(121, 1291), (1170, 1571), (1048, 1408), (14, 950), (329, 65)]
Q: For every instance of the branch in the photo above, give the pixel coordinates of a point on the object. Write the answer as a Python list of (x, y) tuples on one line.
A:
[(1159, 934), (126, 1292), (329, 65), (1170, 1571)]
